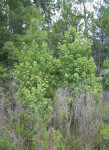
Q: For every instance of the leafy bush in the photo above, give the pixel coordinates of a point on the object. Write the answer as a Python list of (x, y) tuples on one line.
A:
[(105, 74), (39, 75), (50, 139)]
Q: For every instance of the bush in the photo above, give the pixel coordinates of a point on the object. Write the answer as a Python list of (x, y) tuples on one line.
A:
[(105, 74)]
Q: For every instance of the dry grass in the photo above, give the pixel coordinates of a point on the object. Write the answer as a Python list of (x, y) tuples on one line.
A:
[(78, 118), (80, 123)]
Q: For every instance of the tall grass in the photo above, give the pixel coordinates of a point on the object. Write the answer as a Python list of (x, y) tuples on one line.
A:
[(78, 122)]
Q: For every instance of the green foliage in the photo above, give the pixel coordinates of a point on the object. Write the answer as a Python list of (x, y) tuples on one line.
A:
[(4, 77), (69, 17), (105, 134), (104, 137), (39, 75), (15, 19), (5, 144), (45, 56), (52, 139), (32, 73), (77, 65), (106, 63), (105, 74), (8, 51), (101, 35), (48, 8), (37, 70)]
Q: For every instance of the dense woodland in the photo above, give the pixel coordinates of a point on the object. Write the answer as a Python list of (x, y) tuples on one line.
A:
[(54, 75)]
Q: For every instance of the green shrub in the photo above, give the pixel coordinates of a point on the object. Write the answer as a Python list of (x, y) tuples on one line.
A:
[(105, 74)]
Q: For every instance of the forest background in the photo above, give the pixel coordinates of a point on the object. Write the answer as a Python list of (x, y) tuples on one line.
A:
[(54, 75)]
